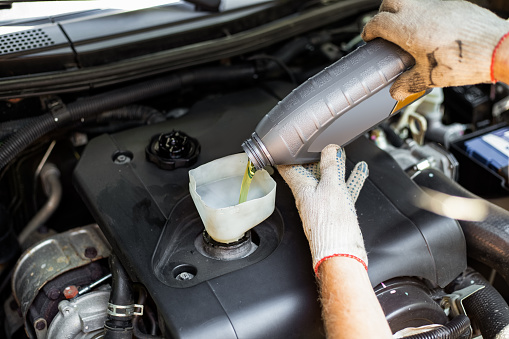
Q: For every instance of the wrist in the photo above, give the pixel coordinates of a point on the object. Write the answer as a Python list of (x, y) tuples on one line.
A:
[(350, 259), (500, 61)]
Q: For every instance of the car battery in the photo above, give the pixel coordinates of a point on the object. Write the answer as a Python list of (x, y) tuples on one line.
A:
[(484, 154)]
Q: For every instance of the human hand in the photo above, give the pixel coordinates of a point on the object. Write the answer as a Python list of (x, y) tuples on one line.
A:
[(326, 205), (452, 42)]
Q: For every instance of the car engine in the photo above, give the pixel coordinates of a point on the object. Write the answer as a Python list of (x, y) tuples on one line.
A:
[(100, 127)]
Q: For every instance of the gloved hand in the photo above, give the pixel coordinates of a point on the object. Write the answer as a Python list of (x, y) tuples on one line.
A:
[(452, 42), (326, 205)]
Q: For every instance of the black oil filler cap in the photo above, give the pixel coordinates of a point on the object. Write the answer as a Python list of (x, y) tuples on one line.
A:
[(172, 150)]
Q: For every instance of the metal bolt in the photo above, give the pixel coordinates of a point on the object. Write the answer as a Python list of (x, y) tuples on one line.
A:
[(445, 303), (70, 292), (90, 252), (122, 158), (53, 293), (40, 324), (185, 276)]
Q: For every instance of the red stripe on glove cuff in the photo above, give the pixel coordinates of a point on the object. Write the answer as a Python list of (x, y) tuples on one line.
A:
[(340, 255), (492, 72)]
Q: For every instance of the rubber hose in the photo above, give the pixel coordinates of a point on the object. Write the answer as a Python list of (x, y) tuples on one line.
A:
[(142, 298), (458, 327), (487, 240), (292, 49), (85, 108), (82, 109), (119, 327), (24, 137), (146, 115), (138, 334), (214, 75), (486, 307), (121, 286), (299, 45), (146, 310), (123, 96), (9, 127), (109, 128), (391, 136), (153, 322)]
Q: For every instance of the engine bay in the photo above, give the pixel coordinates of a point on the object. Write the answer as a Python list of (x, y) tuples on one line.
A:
[(100, 234)]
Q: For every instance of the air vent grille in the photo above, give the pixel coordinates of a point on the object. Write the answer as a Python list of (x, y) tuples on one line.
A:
[(24, 40)]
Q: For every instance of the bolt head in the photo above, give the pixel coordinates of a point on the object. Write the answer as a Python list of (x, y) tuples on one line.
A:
[(53, 294), (185, 276), (445, 303), (70, 292), (122, 158), (40, 324)]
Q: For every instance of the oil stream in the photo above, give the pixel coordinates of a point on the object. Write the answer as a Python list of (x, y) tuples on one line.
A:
[(246, 181)]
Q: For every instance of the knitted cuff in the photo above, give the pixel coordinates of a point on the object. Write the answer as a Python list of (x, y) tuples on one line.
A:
[(492, 73), (339, 255)]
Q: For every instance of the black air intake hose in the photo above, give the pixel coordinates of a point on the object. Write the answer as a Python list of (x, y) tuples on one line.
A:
[(133, 113), (457, 328), (486, 307), (91, 106), (487, 240), (146, 115), (123, 118)]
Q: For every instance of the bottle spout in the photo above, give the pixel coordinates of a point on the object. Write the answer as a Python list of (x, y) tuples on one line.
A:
[(256, 152)]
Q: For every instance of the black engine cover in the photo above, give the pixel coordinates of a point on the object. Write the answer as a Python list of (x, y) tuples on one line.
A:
[(275, 296)]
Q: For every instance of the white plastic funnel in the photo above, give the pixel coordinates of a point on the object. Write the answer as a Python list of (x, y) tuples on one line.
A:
[(215, 189)]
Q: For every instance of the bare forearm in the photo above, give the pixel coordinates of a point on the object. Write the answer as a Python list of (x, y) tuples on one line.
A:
[(350, 307)]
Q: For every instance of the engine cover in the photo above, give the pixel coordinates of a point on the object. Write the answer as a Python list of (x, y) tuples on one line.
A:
[(139, 207)]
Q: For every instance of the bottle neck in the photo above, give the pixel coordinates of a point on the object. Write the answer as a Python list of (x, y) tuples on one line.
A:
[(256, 152)]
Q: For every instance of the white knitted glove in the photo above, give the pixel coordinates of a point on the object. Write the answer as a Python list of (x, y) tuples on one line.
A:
[(326, 205), (452, 42)]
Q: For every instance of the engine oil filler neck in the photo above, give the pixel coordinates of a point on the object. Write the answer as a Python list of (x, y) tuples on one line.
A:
[(222, 251)]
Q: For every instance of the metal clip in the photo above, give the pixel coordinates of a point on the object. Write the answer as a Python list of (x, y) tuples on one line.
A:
[(125, 310), (58, 110), (453, 303)]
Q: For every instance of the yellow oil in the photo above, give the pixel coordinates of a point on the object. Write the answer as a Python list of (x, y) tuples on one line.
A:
[(246, 181)]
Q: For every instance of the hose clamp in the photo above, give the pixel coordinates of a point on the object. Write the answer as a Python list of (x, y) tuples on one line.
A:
[(125, 311)]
